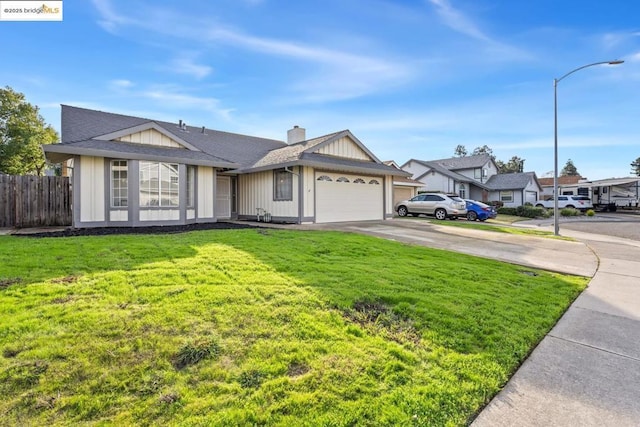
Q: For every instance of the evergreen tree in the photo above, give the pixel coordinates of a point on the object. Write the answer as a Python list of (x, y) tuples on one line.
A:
[(635, 165), (569, 169)]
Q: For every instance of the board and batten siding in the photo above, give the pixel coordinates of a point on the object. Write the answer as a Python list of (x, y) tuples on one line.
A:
[(150, 137), (309, 209), (92, 189), (388, 196), (206, 192), (345, 147), (256, 191)]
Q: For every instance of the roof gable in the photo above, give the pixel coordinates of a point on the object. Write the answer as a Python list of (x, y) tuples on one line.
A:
[(149, 134), (512, 181), (343, 144)]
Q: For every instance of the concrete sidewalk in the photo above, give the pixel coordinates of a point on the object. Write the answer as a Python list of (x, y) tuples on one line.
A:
[(586, 371)]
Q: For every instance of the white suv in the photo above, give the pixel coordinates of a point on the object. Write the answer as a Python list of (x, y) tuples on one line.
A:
[(439, 205), (582, 203)]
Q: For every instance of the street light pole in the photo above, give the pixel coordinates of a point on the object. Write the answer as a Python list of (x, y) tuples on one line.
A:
[(556, 226)]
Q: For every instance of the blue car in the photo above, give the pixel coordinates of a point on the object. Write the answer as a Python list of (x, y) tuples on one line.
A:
[(479, 211)]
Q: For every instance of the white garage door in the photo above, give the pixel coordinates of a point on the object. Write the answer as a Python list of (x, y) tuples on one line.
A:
[(342, 197), (531, 197)]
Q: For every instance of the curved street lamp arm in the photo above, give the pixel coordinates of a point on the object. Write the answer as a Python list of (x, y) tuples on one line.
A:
[(614, 62)]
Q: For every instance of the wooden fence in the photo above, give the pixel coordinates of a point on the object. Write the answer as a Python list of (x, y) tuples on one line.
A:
[(35, 201)]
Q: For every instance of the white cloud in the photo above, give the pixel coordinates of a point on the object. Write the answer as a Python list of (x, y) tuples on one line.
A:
[(110, 19), (458, 21), (340, 75), (186, 64), (121, 84)]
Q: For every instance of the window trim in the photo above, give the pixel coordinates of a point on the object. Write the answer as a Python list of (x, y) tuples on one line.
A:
[(506, 196), (124, 163), (286, 194), (190, 180)]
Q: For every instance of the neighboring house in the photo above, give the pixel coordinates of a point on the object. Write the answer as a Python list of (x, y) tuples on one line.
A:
[(404, 187), (474, 177), (466, 176), (563, 181), (514, 189), (131, 171)]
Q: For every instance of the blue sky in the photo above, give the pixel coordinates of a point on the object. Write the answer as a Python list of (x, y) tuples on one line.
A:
[(411, 79)]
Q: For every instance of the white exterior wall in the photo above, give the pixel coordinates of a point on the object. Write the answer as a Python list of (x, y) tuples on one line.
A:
[(256, 191), (388, 194), (92, 188), (150, 137), (309, 196), (119, 216), (160, 215), (437, 182), (206, 192), (345, 147), (415, 169)]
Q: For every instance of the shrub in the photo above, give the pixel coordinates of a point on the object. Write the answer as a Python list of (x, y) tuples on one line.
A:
[(526, 211), (569, 212), (507, 211), (591, 212)]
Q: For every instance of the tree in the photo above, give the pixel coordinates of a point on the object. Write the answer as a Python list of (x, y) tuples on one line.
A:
[(484, 150), (22, 131), (636, 167), (460, 151), (514, 165), (569, 169)]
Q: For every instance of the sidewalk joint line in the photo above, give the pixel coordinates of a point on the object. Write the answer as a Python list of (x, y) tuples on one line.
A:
[(595, 348)]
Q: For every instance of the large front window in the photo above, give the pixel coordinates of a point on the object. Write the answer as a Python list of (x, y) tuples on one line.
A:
[(506, 196), (283, 185), (159, 184), (119, 184)]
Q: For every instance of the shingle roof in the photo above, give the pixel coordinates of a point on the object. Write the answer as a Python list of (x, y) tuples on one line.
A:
[(511, 181), (562, 180), (291, 152), (82, 129), (458, 163), (81, 124), (125, 150)]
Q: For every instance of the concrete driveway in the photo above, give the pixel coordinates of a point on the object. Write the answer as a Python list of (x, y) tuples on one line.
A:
[(570, 257)]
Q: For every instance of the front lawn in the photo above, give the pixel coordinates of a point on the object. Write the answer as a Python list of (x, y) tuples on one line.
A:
[(261, 327)]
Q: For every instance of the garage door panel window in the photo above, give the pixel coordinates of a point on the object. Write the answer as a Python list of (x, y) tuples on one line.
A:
[(283, 185), (342, 179), (324, 178), (358, 181), (374, 182)]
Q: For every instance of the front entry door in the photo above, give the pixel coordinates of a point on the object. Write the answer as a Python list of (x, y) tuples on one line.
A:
[(223, 197)]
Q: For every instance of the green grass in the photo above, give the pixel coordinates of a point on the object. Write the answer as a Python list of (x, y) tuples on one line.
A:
[(261, 327), (492, 225)]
